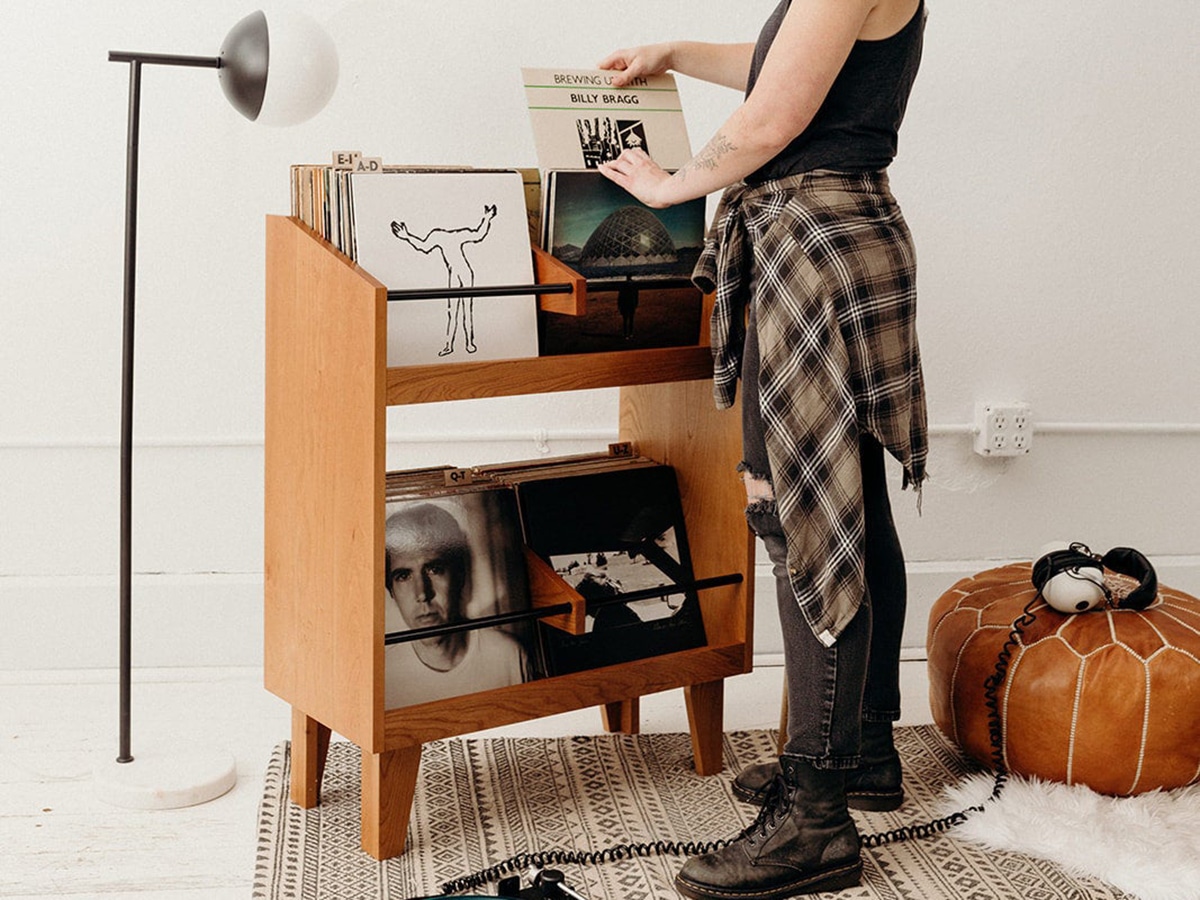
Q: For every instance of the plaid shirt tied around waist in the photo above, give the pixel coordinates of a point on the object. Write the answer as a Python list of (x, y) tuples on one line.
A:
[(828, 259)]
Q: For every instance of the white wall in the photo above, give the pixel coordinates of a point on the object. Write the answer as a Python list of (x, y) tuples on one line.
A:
[(1046, 169)]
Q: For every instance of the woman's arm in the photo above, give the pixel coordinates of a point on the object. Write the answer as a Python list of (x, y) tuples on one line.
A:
[(810, 49), (723, 64)]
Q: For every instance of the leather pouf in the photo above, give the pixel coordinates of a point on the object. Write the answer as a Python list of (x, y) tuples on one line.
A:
[(1108, 698)]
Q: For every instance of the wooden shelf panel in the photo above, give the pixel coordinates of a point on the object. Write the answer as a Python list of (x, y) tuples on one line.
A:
[(323, 484), (563, 693), (546, 374)]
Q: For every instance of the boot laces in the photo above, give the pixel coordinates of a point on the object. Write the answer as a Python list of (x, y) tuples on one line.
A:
[(777, 800)]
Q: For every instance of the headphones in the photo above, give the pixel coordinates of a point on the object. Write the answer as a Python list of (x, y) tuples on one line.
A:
[(1070, 577)]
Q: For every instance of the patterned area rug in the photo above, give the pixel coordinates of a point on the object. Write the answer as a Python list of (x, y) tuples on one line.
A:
[(480, 802)]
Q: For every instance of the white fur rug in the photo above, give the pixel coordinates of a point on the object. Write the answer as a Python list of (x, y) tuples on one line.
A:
[(1147, 846)]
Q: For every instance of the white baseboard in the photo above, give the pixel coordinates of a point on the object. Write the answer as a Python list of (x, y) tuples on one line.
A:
[(215, 619), (927, 581), (914, 684), (925, 584), (71, 622)]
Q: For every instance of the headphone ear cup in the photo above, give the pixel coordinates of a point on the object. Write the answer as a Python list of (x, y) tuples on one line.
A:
[(1127, 561), (1068, 579), (1052, 559)]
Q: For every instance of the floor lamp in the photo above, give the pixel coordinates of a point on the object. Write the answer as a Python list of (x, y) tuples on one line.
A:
[(279, 72)]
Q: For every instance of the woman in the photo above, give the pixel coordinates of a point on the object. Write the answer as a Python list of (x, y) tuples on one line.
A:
[(814, 274)]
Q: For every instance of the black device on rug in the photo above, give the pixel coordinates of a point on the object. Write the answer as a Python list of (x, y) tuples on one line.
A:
[(546, 884), (1071, 563)]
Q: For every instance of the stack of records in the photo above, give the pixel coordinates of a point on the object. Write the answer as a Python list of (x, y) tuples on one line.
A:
[(609, 524)]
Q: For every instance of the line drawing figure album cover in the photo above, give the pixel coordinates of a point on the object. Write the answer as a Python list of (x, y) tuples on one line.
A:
[(457, 229), (451, 246)]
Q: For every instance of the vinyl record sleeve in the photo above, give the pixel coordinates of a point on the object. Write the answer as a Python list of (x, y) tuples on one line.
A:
[(464, 229), (581, 121), (452, 556), (611, 532)]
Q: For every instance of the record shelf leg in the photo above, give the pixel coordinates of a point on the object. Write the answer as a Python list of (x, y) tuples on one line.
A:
[(622, 716), (310, 747), (389, 783), (706, 711)]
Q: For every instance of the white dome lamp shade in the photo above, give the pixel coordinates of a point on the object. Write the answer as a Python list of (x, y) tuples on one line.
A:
[(278, 70)]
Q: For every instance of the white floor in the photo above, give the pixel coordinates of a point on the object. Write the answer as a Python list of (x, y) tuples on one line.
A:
[(58, 840)]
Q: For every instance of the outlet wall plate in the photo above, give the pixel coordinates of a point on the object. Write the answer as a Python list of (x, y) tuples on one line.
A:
[(1003, 429)]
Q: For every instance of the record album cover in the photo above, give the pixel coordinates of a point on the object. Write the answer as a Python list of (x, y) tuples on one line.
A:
[(597, 228), (609, 533), (453, 555), (581, 121), (455, 229)]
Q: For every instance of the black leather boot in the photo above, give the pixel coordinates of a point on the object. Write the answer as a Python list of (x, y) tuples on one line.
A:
[(802, 842), (876, 785)]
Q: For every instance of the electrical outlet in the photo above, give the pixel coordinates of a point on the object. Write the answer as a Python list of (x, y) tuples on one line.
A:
[(1003, 429)]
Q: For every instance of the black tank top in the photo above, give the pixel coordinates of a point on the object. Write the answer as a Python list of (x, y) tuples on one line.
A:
[(856, 127)]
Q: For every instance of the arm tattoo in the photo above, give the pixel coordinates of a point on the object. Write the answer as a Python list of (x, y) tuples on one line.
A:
[(710, 156)]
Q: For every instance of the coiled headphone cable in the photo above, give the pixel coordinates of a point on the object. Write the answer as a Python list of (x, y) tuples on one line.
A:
[(991, 690)]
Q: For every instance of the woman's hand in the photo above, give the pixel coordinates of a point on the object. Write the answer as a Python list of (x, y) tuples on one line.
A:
[(640, 175), (637, 62)]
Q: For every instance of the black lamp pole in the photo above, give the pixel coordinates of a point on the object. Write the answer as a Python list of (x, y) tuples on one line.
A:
[(136, 61)]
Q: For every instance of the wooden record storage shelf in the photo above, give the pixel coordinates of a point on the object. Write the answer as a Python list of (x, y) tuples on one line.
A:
[(327, 388)]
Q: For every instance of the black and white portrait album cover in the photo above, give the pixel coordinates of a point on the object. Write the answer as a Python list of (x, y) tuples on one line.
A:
[(608, 533), (453, 555)]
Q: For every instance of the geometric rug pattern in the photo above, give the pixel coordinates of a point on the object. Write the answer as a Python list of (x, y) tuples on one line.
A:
[(481, 801)]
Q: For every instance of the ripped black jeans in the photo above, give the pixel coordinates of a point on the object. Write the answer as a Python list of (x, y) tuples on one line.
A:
[(831, 690)]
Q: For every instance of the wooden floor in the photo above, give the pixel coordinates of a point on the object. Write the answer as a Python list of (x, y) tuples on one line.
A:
[(59, 840)]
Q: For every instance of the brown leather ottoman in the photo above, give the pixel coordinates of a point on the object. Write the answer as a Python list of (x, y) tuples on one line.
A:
[(1108, 698)]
